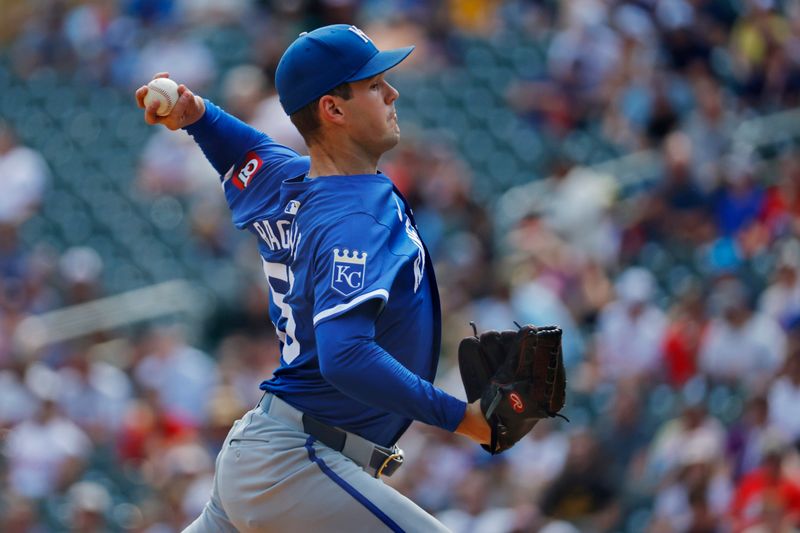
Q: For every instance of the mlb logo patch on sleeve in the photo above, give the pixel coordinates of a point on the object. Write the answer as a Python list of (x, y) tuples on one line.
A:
[(348, 273), (243, 174), (292, 207)]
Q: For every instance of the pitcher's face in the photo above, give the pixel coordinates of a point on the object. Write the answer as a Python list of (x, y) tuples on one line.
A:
[(371, 116)]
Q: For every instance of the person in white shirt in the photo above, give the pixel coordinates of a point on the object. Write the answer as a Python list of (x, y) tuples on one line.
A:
[(781, 300), (25, 175), (784, 397), (45, 453), (740, 345), (631, 329)]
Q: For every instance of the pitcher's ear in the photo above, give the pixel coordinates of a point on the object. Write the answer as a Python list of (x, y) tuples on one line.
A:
[(329, 109)]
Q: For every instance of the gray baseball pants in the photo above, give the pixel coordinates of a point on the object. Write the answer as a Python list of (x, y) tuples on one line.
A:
[(271, 476)]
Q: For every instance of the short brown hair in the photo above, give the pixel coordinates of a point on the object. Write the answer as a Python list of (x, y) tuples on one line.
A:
[(306, 120)]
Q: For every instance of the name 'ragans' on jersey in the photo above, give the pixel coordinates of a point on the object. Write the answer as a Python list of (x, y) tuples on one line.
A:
[(278, 234)]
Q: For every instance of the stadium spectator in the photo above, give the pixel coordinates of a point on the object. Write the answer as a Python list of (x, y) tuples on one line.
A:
[(781, 299), (784, 393), (678, 210), (25, 176), (766, 497), (169, 361), (80, 269), (583, 494), (17, 402), (631, 329), (708, 127), (626, 436), (546, 442), (577, 209), (87, 503), (45, 453), (473, 511), (740, 345), (694, 427), (696, 495), (747, 438), (687, 323), (94, 393), (740, 200)]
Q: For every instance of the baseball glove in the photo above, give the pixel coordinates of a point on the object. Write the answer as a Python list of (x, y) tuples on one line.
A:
[(517, 375)]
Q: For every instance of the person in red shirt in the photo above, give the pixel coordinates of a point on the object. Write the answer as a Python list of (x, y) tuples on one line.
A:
[(766, 497), (681, 343)]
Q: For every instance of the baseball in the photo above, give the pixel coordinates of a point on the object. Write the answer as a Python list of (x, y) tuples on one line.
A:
[(165, 92)]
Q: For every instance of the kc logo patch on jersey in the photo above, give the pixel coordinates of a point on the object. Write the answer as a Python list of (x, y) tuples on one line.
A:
[(243, 174), (349, 269)]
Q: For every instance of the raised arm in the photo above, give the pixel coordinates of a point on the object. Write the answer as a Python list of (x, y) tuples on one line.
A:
[(223, 138)]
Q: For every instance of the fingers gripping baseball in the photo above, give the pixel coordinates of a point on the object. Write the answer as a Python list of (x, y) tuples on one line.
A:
[(187, 108)]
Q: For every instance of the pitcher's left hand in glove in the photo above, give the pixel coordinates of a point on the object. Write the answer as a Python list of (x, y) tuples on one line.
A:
[(518, 376)]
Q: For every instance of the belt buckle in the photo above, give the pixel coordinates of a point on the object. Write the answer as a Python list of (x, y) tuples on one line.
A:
[(392, 462)]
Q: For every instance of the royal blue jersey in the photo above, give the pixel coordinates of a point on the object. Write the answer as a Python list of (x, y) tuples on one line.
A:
[(329, 245)]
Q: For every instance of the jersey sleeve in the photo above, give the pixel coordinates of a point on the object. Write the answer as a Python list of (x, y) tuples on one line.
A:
[(348, 352), (250, 163), (352, 264), (225, 140)]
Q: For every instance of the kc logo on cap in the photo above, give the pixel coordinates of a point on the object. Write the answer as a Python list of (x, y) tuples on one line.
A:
[(360, 34), (327, 57)]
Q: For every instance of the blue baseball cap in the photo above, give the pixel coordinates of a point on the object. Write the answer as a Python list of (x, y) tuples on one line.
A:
[(320, 60)]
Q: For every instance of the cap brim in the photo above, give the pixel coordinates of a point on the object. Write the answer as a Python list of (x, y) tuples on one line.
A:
[(381, 62)]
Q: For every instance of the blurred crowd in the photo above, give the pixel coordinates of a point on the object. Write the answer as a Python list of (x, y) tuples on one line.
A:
[(679, 295)]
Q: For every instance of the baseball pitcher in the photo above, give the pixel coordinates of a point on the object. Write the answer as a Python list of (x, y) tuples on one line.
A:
[(354, 302)]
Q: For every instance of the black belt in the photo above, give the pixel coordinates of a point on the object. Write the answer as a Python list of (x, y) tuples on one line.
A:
[(375, 459)]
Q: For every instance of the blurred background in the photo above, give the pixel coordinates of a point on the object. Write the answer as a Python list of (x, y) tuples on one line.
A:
[(629, 170)]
